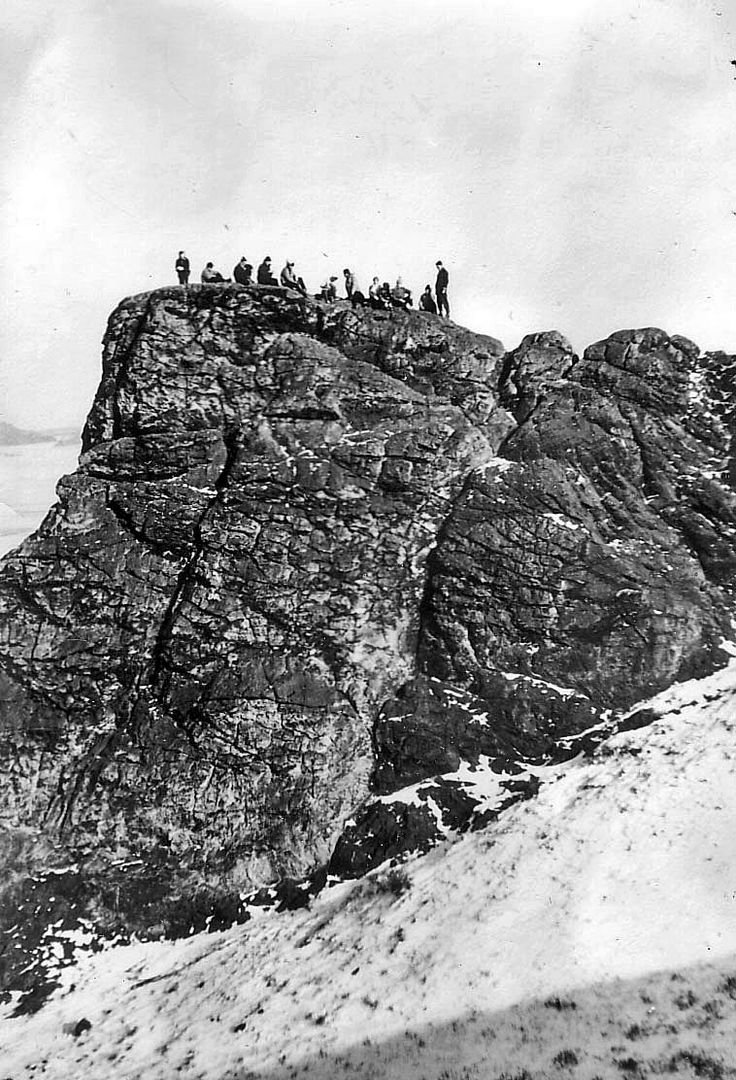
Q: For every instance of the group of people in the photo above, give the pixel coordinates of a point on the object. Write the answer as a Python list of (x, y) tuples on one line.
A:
[(380, 294)]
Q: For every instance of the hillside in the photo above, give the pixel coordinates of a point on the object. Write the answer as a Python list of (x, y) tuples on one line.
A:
[(589, 934)]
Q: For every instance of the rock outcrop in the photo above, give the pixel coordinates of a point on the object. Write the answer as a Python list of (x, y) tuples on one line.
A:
[(312, 553)]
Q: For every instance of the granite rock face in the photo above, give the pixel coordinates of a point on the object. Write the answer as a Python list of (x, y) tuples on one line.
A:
[(586, 567), (329, 584)]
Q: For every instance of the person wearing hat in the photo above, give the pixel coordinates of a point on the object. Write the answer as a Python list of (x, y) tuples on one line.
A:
[(289, 280), (243, 272), (182, 268), (426, 301), (440, 289), (265, 277)]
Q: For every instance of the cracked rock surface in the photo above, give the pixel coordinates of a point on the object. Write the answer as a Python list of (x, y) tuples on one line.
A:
[(312, 557)]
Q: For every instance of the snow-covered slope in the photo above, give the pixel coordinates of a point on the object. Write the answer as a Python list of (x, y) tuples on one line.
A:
[(621, 867)]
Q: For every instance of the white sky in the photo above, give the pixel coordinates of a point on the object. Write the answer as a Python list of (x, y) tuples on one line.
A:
[(573, 163)]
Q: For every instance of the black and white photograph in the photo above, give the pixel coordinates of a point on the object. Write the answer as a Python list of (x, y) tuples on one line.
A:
[(367, 540)]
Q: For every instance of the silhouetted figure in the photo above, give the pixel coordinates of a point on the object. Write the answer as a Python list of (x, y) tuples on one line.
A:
[(265, 277), (243, 272), (350, 283), (290, 281), (210, 276), (440, 289), (357, 299), (426, 301), (385, 294), (182, 268), (400, 295)]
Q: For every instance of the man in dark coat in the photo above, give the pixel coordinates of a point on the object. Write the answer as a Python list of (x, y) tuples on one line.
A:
[(243, 272), (265, 277), (426, 301), (441, 289), (182, 268), (350, 283)]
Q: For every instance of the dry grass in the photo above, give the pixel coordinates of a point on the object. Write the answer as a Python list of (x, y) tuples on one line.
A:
[(674, 1024)]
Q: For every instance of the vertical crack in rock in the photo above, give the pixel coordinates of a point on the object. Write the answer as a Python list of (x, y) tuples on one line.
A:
[(525, 421), (427, 625), (187, 575), (127, 522)]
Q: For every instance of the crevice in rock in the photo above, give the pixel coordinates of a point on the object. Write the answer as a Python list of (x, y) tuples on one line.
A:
[(187, 575), (127, 522), (427, 625), (652, 477), (541, 399)]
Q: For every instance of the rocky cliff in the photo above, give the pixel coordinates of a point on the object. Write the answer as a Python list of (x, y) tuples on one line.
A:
[(329, 584)]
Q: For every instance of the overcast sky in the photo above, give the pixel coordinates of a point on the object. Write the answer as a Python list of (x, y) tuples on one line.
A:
[(572, 162)]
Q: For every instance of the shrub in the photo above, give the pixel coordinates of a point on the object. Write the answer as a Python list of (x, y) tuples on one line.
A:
[(396, 882), (686, 1000), (565, 1057), (559, 1004), (700, 1064)]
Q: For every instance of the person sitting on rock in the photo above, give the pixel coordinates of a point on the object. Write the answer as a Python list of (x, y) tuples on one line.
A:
[(400, 295), (357, 299), (289, 280), (385, 294), (182, 268), (210, 276), (329, 289), (265, 277), (375, 300), (243, 272), (426, 301)]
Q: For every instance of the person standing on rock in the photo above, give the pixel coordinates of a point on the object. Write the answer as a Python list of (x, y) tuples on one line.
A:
[(265, 277), (182, 268), (243, 272), (426, 301), (440, 289), (351, 284)]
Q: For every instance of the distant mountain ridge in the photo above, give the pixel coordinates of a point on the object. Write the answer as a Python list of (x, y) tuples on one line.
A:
[(10, 435)]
